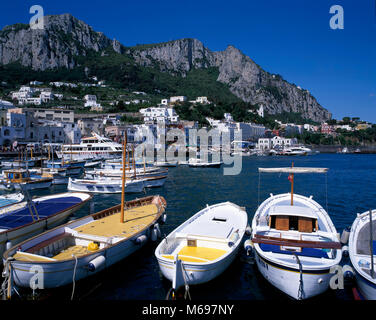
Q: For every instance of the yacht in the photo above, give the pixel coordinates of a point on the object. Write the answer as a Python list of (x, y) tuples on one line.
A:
[(96, 147)]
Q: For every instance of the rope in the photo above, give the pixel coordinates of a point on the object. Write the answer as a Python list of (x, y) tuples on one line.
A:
[(186, 284), (6, 285), (300, 290), (74, 276)]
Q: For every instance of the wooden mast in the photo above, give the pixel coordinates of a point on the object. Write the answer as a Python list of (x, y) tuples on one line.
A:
[(123, 181), (143, 153), (134, 162), (292, 185)]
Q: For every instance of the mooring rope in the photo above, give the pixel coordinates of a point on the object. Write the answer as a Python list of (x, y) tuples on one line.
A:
[(74, 275), (300, 290)]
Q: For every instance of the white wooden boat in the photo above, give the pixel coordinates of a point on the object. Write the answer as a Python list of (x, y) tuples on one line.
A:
[(57, 175), (25, 219), (362, 251), (166, 163), (105, 185), (84, 247), (204, 246), (9, 199), (153, 182), (295, 241), (20, 179), (198, 163), (149, 172)]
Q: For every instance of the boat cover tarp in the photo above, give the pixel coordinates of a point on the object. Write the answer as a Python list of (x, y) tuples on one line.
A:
[(45, 209), (306, 252)]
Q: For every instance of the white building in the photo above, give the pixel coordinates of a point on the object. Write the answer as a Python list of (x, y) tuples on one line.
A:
[(178, 99), (159, 115), (270, 143)]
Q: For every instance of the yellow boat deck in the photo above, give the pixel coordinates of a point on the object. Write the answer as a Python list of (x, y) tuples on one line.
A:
[(74, 250), (198, 254), (136, 219)]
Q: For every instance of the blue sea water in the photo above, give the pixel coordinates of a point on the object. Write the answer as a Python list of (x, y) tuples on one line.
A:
[(347, 189)]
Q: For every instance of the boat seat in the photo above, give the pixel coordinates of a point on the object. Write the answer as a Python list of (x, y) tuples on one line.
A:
[(197, 254), (199, 237)]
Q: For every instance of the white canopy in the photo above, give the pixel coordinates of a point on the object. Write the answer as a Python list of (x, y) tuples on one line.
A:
[(294, 170)]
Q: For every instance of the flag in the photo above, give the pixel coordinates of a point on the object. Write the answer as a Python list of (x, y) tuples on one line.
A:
[(291, 177)]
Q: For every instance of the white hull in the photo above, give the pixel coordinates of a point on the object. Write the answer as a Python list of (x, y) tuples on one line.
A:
[(367, 289), (57, 272), (61, 273), (288, 281), (278, 263), (218, 228), (360, 253)]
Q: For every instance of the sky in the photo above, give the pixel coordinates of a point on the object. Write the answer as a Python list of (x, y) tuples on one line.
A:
[(291, 38)]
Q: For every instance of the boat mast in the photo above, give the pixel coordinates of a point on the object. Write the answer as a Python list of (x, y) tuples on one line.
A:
[(134, 162), (144, 160), (123, 181)]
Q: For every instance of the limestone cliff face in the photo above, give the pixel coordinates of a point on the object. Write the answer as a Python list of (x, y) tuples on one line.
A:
[(62, 38), (244, 77), (65, 37)]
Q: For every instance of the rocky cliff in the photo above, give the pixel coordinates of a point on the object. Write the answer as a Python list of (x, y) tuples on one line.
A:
[(243, 76), (64, 38)]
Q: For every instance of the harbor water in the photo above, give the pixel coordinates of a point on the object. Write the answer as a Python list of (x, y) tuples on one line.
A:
[(347, 189)]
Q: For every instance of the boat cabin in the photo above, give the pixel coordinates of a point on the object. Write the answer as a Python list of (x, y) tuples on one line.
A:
[(293, 218), (16, 175)]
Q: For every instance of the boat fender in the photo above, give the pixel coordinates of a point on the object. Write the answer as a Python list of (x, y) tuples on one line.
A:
[(159, 234), (163, 218), (8, 245), (345, 235), (96, 263), (153, 234), (93, 246), (345, 251), (348, 272), (233, 238), (248, 246), (248, 230), (141, 239)]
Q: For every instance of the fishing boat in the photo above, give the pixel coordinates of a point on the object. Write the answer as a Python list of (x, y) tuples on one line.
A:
[(166, 163), (202, 247), (154, 172), (105, 185), (17, 163), (362, 251), (17, 179), (58, 175), (294, 240), (12, 198), (198, 163), (87, 245), (30, 217)]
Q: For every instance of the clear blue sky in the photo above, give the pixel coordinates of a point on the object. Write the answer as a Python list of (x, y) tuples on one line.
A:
[(289, 37)]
